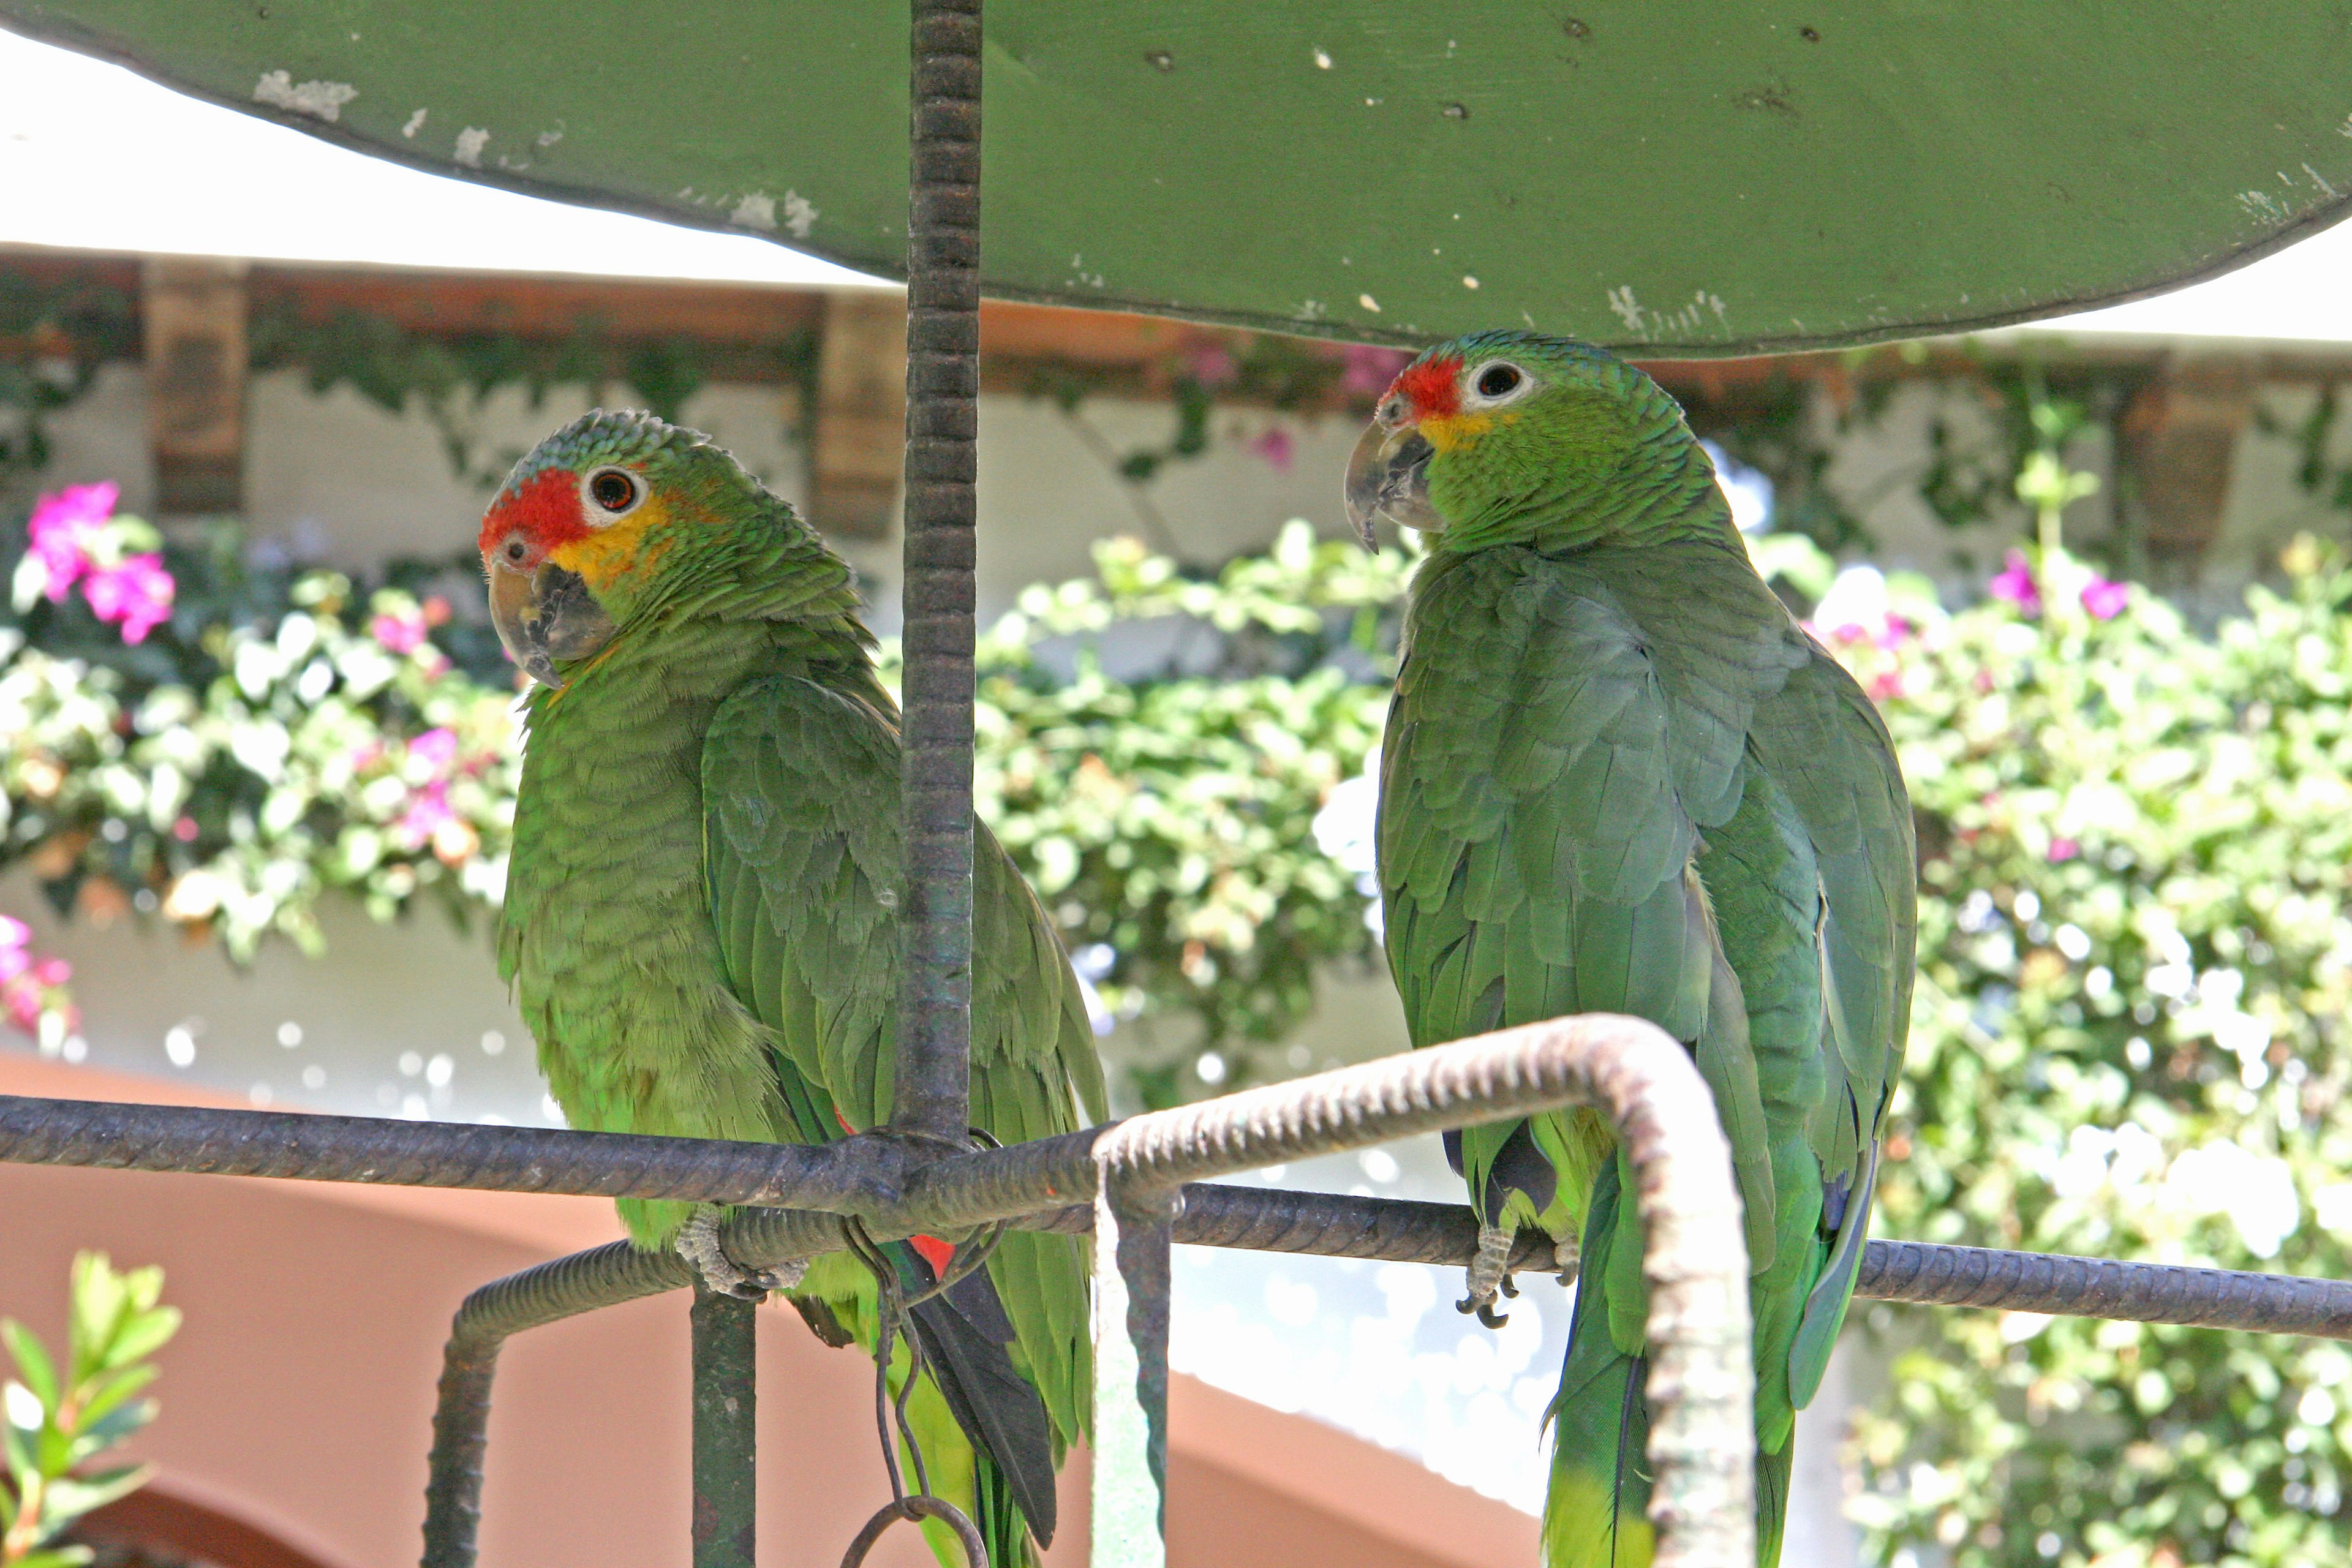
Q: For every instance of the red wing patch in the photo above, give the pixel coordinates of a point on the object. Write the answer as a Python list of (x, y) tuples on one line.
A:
[(935, 1252)]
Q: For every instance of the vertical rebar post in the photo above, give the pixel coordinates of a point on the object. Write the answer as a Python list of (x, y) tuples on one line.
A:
[(1132, 1286), (933, 1069), (726, 1401)]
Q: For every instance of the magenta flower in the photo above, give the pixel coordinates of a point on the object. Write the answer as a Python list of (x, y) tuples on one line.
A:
[(1277, 448), (29, 990), (2063, 849), (64, 530), (428, 809), (436, 749), (136, 594), (1210, 365), (13, 933), (2015, 585), (2104, 599), (1365, 372), (403, 633)]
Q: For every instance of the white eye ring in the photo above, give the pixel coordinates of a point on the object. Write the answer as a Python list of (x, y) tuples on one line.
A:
[(1392, 411), (599, 495), (1510, 384)]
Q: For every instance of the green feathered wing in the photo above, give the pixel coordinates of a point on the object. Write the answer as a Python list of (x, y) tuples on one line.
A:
[(1622, 779), (800, 786)]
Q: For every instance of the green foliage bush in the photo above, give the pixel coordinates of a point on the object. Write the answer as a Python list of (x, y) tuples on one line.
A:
[(280, 736), (2131, 1041)]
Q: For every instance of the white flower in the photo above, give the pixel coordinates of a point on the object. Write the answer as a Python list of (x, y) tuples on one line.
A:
[(2256, 1193)]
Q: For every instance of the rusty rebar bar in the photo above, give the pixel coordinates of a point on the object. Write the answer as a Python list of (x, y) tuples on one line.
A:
[(933, 1070), (726, 1411), (549, 1293), (2055, 1284), (843, 1177)]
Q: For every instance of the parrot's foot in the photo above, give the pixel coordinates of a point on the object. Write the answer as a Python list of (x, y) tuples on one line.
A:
[(1487, 1277), (1566, 1256), (697, 1243)]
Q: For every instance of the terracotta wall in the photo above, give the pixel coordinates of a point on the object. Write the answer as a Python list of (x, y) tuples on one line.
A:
[(296, 1400)]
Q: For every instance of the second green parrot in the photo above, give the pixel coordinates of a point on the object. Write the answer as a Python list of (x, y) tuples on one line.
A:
[(1619, 777), (700, 913)]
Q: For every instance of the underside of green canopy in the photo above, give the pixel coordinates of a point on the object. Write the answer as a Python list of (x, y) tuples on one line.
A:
[(1728, 178)]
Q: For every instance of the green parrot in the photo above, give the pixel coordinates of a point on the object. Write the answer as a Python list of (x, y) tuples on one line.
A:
[(1619, 777), (699, 918)]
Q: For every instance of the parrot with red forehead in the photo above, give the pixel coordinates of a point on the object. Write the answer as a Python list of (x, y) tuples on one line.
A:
[(700, 919), (1619, 777)]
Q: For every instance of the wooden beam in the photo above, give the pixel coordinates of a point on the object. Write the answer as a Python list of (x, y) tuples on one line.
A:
[(2179, 439), (194, 308), (858, 443)]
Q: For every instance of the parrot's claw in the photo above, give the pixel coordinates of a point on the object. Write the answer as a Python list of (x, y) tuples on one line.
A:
[(697, 1243), (1566, 1254), (1487, 1276)]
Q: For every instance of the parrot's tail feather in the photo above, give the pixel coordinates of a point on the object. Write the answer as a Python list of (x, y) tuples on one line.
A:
[(1772, 1500), (998, 1410), (1597, 1512)]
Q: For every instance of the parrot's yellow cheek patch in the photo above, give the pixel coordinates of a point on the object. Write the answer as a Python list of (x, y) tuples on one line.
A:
[(635, 543), (1447, 431)]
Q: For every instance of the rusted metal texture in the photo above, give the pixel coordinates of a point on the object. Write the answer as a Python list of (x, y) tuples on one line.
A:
[(726, 1406), (844, 1176), (933, 1068)]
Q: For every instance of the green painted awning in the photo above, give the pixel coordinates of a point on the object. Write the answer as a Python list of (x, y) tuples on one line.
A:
[(1699, 179)]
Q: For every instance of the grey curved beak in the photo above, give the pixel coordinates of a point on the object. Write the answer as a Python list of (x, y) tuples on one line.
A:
[(545, 616), (1387, 477)]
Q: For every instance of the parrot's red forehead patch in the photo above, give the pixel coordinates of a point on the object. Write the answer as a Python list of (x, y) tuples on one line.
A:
[(1431, 386), (545, 511)]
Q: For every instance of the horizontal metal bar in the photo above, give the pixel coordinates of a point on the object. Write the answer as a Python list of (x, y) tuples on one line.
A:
[(854, 1173), (370, 1149), (2061, 1286)]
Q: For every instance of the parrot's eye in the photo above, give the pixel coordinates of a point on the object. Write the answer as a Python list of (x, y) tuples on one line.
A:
[(1393, 412), (1498, 381), (515, 549), (614, 491)]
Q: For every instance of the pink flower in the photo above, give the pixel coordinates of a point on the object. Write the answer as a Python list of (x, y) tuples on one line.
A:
[(14, 932), (403, 633), (1277, 448), (1891, 633), (136, 594), (1886, 686), (30, 992), (185, 830), (428, 809), (436, 749), (1210, 365), (63, 530), (2062, 850), (2015, 585), (2104, 599), (1367, 371)]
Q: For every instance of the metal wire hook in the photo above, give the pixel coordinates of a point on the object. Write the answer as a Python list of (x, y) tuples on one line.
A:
[(967, 1534)]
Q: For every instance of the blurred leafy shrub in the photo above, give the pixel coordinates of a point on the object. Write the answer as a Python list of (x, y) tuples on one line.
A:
[(61, 1418)]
